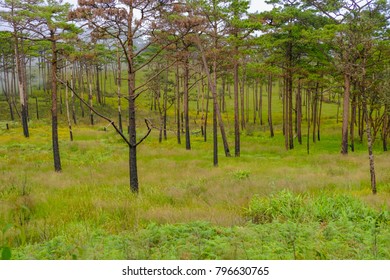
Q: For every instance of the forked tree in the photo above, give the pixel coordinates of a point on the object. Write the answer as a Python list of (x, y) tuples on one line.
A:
[(126, 21)]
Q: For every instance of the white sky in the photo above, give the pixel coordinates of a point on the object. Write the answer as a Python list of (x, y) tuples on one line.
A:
[(256, 5), (259, 6)]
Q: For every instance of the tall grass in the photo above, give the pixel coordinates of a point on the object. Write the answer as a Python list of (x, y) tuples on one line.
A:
[(269, 203)]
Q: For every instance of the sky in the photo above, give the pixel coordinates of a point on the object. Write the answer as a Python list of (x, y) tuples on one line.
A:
[(256, 5), (259, 6)]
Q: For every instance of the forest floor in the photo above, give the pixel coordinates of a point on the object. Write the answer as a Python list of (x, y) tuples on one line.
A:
[(267, 204)]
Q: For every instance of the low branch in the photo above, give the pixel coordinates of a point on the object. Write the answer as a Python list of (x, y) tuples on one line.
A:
[(96, 112), (148, 123)]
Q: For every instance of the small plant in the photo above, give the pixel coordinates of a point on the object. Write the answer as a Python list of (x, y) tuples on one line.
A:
[(241, 174), (4, 249)]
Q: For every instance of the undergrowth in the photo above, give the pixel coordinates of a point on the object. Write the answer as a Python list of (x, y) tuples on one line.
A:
[(282, 226)]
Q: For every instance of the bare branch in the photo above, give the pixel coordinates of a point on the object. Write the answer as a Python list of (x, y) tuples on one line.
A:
[(96, 112)]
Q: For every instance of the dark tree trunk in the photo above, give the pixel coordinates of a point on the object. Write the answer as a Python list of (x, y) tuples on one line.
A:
[(89, 79), (270, 123), (308, 93), (131, 99), (186, 103), (98, 93), (319, 115), (54, 118), (242, 100), (260, 109), (236, 110), (353, 122), (299, 112), (178, 105), (385, 129), (315, 112), (347, 89), (118, 91)]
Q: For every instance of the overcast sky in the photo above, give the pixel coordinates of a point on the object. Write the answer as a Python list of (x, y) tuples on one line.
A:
[(256, 5), (259, 6)]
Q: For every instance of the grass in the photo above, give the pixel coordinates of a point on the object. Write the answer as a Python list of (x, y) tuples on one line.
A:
[(267, 204)]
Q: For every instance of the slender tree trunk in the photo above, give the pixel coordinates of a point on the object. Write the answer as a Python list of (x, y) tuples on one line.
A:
[(315, 112), (20, 69), (178, 105), (236, 109), (347, 89), (370, 143), (385, 128), (72, 83), (270, 123), (242, 99), (320, 114), (131, 99), (68, 111), (54, 118), (261, 104), (118, 89), (98, 93), (247, 103), (353, 122), (186, 103), (299, 112), (308, 93), (255, 100), (213, 86), (89, 79), (290, 111), (165, 105)]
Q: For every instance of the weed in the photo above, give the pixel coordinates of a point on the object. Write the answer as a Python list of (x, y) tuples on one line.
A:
[(241, 174)]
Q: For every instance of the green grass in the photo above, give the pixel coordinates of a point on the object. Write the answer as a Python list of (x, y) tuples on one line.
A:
[(267, 204)]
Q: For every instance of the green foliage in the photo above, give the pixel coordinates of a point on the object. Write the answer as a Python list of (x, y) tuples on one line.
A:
[(241, 174), (5, 253), (322, 208)]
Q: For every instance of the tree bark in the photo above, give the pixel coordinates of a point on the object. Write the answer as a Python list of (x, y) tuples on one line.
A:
[(347, 89), (54, 117), (20, 69), (236, 108), (270, 123), (186, 103), (299, 112)]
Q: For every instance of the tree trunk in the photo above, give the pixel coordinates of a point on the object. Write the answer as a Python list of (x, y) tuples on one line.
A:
[(347, 89), (260, 108), (68, 111), (98, 93), (242, 99), (118, 90), (385, 128), (315, 112), (353, 122), (370, 143), (213, 86), (299, 112), (89, 79), (54, 118), (308, 93), (186, 103), (20, 69), (236, 109), (178, 105), (270, 123), (131, 99)]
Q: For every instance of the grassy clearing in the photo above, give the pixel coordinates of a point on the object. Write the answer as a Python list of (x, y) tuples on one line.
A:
[(267, 204)]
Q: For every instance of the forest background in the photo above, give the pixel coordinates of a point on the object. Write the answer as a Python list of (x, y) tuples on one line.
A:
[(194, 130)]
